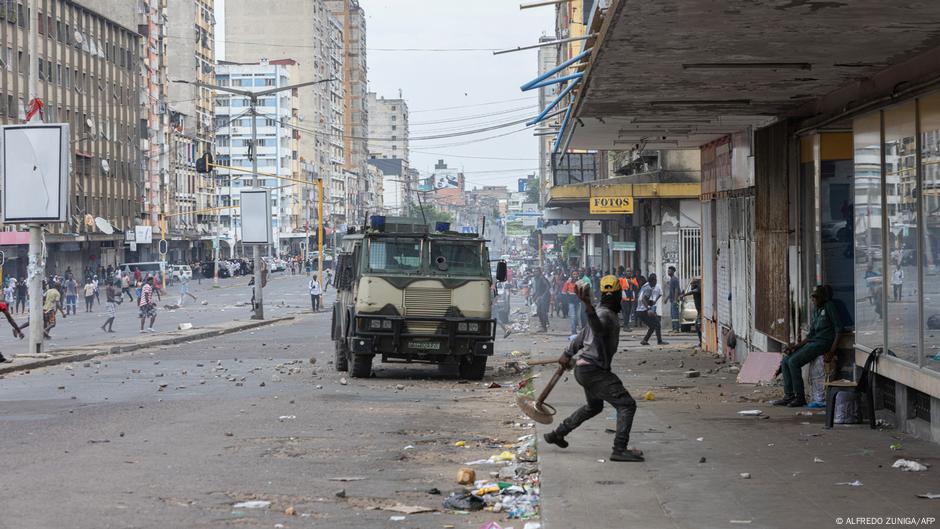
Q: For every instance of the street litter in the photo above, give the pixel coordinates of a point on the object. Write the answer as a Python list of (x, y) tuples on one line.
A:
[(466, 476), (855, 483), (491, 525), (460, 443), (185, 326), (286, 417), (750, 413), (745, 475), (804, 413), (463, 501), (817, 460), (253, 504), (408, 509), (929, 496), (700, 439), (895, 446), (344, 479), (907, 465), (649, 395), (396, 518), (739, 521), (409, 447)]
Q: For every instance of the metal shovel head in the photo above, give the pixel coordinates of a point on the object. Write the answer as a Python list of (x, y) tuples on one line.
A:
[(541, 413)]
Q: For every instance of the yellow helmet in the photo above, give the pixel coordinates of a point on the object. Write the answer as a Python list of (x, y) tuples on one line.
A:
[(610, 283)]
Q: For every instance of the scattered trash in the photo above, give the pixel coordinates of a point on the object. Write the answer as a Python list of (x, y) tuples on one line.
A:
[(492, 385), (700, 439), (692, 373), (907, 465), (701, 460), (408, 509), (345, 479), (466, 476), (460, 443), (397, 518), (817, 460), (804, 413), (929, 496), (649, 395), (600, 461), (895, 446), (532, 525), (283, 418), (185, 326), (341, 493), (463, 501), (745, 475), (400, 387), (343, 381), (745, 522), (290, 511), (750, 413), (409, 447), (253, 504), (491, 525), (855, 483)]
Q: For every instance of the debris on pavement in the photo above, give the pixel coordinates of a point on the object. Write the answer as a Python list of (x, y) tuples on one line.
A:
[(290, 511), (466, 476), (895, 446), (408, 509), (908, 465), (649, 395), (463, 501), (397, 518), (346, 479), (252, 504), (750, 413), (745, 475), (818, 460), (692, 373), (929, 496), (855, 483)]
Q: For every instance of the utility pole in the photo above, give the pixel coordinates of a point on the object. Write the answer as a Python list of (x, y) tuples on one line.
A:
[(37, 264), (253, 98)]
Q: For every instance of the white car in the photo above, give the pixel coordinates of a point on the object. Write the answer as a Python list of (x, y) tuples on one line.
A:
[(180, 272)]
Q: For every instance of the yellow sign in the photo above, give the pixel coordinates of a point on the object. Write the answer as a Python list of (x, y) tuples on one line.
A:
[(612, 205)]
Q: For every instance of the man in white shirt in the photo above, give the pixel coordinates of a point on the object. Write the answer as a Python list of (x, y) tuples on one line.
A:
[(315, 293), (646, 302)]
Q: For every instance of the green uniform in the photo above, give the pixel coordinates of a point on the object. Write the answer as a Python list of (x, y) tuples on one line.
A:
[(824, 328)]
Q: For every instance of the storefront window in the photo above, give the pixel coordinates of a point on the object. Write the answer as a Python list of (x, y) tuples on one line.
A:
[(930, 162), (869, 328), (900, 183)]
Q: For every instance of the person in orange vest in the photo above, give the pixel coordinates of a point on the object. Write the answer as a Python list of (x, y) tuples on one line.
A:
[(628, 288)]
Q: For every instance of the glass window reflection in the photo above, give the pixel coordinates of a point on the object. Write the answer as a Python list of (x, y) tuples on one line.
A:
[(869, 328), (930, 168), (901, 209)]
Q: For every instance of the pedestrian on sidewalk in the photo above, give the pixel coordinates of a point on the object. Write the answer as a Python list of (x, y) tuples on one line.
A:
[(649, 297), (315, 293), (89, 291), (113, 299), (897, 282), (675, 290), (591, 353), (184, 290), (146, 307), (822, 339), (17, 333), (22, 290)]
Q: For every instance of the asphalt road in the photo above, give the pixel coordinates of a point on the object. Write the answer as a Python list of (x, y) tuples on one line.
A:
[(176, 436), (284, 295)]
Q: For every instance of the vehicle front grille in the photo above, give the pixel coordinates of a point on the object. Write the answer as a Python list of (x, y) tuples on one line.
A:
[(427, 302)]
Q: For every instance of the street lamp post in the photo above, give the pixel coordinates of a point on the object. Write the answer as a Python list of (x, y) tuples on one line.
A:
[(253, 98)]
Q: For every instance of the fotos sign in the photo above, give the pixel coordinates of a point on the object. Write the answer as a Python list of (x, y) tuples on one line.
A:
[(612, 205)]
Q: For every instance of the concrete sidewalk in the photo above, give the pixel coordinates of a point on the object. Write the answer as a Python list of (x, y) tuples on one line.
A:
[(697, 447), (25, 362)]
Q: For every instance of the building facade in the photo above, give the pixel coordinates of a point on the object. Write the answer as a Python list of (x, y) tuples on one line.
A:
[(276, 149), (88, 67), (388, 140)]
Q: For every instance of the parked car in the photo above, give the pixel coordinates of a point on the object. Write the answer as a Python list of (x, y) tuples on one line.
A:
[(208, 270), (688, 314), (180, 272)]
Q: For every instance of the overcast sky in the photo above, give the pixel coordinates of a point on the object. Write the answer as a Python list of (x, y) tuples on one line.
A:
[(434, 80)]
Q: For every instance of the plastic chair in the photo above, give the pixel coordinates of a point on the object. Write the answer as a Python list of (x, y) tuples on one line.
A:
[(864, 386)]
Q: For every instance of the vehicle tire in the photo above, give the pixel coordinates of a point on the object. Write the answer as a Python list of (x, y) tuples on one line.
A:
[(340, 361), (361, 366), (472, 367), (685, 328)]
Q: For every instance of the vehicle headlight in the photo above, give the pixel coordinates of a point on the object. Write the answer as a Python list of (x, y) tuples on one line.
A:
[(386, 324), (375, 324), (473, 327), (462, 327)]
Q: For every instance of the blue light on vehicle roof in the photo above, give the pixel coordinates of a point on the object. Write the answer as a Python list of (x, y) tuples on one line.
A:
[(442, 227), (378, 222)]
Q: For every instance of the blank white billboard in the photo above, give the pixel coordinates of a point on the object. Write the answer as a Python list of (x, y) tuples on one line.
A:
[(256, 217), (35, 166)]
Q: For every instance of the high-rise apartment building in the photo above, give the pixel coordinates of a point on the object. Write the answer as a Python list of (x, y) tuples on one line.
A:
[(388, 140), (88, 77), (315, 37), (276, 150)]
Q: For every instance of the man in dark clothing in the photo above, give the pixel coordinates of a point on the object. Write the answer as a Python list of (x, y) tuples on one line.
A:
[(541, 295), (591, 353)]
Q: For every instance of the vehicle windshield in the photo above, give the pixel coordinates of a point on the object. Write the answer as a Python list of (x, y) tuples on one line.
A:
[(458, 258), (395, 255)]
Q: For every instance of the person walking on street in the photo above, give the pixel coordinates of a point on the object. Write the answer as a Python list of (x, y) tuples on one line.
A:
[(89, 291), (113, 299), (628, 299), (541, 297), (126, 287), (184, 290), (96, 283), (22, 289), (315, 293), (17, 333), (52, 301), (591, 352), (568, 291), (146, 307), (649, 297), (675, 291), (897, 282), (71, 296), (9, 292)]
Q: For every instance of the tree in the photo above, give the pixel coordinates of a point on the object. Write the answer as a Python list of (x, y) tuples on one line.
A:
[(532, 189), (568, 245)]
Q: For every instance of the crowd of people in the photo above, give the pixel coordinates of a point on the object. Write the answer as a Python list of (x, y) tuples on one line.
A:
[(551, 291)]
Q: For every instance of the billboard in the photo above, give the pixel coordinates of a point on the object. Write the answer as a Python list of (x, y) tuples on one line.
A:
[(35, 166), (256, 216), (446, 180)]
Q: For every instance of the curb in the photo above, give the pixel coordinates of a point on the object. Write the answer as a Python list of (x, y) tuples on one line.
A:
[(127, 348)]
